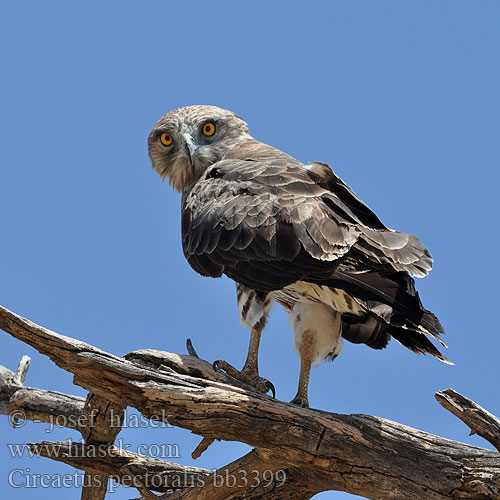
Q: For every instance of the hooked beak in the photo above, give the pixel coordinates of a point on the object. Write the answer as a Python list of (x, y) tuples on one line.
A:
[(190, 147)]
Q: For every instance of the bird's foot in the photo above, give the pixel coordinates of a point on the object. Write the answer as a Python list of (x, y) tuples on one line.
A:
[(247, 375), (301, 401)]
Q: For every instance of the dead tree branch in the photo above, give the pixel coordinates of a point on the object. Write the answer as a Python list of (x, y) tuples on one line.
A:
[(104, 419), (51, 407), (480, 421), (129, 469), (360, 454)]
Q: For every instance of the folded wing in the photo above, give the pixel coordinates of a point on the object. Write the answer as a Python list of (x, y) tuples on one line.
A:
[(269, 221)]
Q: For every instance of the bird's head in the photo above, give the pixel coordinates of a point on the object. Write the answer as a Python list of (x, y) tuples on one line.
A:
[(186, 141)]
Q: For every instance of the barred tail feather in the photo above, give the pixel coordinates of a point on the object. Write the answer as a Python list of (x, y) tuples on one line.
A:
[(393, 309)]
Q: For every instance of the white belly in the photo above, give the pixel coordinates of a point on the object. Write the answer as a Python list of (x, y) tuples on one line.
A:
[(315, 317), (316, 331)]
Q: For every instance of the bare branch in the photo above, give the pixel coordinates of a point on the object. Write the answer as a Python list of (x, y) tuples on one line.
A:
[(145, 493), (20, 375), (360, 454), (204, 444), (52, 407), (190, 349), (143, 473), (251, 476), (103, 420), (479, 420), (125, 467), (141, 470), (38, 405)]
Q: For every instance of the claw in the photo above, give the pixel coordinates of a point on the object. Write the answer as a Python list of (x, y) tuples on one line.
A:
[(246, 376), (270, 387), (302, 402)]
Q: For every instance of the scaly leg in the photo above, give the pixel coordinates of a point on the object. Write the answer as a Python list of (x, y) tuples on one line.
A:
[(254, 309), (251, 364), (301, 398), (250, 372), (305, 351)]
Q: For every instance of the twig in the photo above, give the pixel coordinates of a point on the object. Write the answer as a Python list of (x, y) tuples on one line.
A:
[(190, 349), (202, 446), (22, 370), (205, 442), (479, 420)]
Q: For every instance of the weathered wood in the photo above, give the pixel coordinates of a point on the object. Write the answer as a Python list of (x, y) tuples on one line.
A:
[(125, 467), (52, 407), (134, 470), (103, 422), (360, 454), (159, 475), (22, 369), (202, 446), (479, 420), (27, 403), (251, 476)]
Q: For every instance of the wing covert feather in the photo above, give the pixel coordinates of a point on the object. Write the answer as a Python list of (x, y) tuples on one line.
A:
[(270, 221), (240, 209), (245, 206)]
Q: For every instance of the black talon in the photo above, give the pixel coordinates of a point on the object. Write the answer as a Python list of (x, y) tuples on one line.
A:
[(302, 402), (270, 387), (215, 365)]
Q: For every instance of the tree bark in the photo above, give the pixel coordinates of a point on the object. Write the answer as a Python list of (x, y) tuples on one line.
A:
[(104, 420), (479, 420), (317, 451)]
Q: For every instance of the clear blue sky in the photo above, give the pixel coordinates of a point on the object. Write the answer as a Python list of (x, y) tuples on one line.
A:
[(401, 98)]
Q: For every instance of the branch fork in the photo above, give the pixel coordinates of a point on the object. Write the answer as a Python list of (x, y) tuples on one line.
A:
[(313, 450)]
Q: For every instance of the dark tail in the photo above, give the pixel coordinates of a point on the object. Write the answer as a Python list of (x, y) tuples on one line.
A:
[(393, 309)]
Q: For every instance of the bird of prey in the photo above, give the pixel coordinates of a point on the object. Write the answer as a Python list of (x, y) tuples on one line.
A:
[(290, 233)]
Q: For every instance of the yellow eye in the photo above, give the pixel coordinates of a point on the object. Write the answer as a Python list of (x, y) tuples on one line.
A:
[(208, 128), (166, 139)]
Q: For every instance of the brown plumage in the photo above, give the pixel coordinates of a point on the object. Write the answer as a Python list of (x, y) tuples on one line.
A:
[(291, 233)]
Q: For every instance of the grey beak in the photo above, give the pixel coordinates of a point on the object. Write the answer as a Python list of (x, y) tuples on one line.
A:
[(190, 147)]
